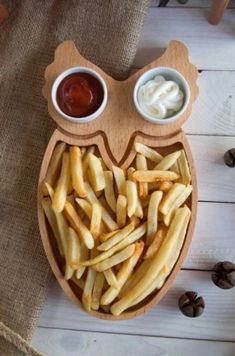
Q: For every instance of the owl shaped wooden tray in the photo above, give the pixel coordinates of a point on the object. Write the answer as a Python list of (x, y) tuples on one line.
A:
[(114, 134)]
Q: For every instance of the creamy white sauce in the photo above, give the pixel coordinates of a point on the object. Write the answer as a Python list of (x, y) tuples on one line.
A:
[(160, 98)]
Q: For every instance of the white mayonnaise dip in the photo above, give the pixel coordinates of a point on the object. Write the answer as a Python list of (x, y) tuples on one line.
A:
[(160, 98)]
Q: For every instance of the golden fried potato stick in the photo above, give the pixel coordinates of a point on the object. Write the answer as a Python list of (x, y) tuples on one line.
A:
[(97, 290), (134, 236), (95, 220), (172, 242), (46, 204), (54, 167), (123, 275), (154, 176), (170, 198), (120, 179), (114, 260), (132, 197), (168, 161), (148, 152), (83, 151), (107, 219), (60, 193), (74, 249), (121, 210), (156, 243), (152, 217), (177, 203), (85, 159), (109, 191), (141, 165), (85, 206), (49, 189), (184, 169), (77, 171), (111, 278), (96, 173), (84, 254), (105, 236), (165, 186), (75, 221), (119, 236), (88, 289)]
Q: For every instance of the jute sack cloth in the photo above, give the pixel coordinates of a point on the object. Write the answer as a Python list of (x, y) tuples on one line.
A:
[(106, 32)]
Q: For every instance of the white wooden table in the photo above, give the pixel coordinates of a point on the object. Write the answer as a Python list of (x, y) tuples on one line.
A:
[(64, 330)]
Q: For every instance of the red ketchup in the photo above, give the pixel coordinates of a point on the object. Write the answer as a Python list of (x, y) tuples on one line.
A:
[(79, 94)]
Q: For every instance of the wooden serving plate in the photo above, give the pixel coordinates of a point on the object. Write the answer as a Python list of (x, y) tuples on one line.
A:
[(114, 134)]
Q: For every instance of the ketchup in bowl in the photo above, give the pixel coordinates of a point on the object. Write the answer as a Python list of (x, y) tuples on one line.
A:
[(79, 94)]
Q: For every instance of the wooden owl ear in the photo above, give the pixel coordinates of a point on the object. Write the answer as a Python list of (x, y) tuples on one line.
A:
[(119, 123)]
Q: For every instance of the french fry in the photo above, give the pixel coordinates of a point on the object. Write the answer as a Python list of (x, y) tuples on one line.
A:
[(70, 187), (106, 206), (71, 200), (97, 290), (173, 241), (120, 179), (119, 236), (83, 256), (115, 259), (154, 176), (75, 221), (99, 193), (63, 232), (105, 237), (152, 218), (95, 220), (54, 165), (107, 219), (130, 239), (85, 206), (96, 173), (148, 152), (121, 210), (141, 165), (49, 189), (74, 249), (175, 168), (156, 243), (168, 161), (108, 190), (46, 204), (154, 186), (85, 160), (165, 186), (156, 284), (111, 278), (77, 171), (132, 197), (177, 203), (123, 275), (88, 289), (184, 169), (170, 197), (134, 278), (139, 213), (60, 193)]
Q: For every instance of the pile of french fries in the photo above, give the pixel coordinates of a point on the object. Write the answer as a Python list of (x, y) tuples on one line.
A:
[(120, 233)]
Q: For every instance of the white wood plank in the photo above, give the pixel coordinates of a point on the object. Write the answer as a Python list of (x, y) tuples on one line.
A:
[(214, 110), (190, 3), (215, 180), (216, 323), (214, 238), (73, 343), (210, 47)]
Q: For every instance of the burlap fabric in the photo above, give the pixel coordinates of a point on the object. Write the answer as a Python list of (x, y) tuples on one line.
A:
[(106, 32)]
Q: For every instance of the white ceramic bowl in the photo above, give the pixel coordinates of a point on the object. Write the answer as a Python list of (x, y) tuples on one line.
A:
[(59, 79), (169, 74)]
